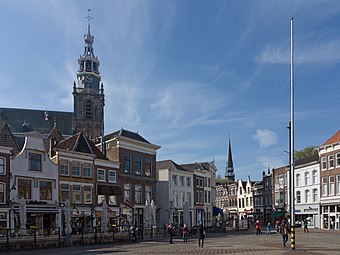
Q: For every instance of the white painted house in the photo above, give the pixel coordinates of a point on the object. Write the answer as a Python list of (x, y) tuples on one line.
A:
[(35, 177), (174, 188)]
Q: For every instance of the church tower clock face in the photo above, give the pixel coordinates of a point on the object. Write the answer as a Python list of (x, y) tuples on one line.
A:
[(88, 95)]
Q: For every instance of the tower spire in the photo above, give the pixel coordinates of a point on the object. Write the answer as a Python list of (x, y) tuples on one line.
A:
[(229, 170)]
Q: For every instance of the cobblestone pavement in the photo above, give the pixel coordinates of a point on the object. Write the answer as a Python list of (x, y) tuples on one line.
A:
[(243, 242)]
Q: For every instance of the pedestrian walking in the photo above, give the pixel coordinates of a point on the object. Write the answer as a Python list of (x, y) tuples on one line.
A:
[(133, 234), (185, 232), (268, 228), (201, 232), (258, 228), (332, 224), (171, 231), (277, 226), (305, 226), (284, 232)]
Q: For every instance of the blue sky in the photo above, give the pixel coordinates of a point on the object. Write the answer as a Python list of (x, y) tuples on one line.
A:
[(185, 73)]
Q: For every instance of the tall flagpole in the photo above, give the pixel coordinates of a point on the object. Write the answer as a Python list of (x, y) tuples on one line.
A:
[(292, 218)]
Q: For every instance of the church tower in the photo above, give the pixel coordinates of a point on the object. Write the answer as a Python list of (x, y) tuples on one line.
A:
[(229, 170), (88, 92)]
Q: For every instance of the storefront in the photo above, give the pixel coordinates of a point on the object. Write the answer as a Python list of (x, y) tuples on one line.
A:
[(330, 217)]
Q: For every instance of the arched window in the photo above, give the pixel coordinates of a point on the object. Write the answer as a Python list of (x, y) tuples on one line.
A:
[(88, 110)]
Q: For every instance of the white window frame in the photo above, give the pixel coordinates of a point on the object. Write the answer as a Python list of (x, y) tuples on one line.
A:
[(331, 185), (337, 159), (181, 181), (87, 167), (314, 176), (337, 187), (101, 175), (315, 195), (67, 167), (64, 190), (2, 165), (307, 178), (330, 161), (323, 163), (298, 197), (138, 194), (174, 179), (307, 196), (87, 194), (115, 176), (298, 180), (324, 186), (75, 192), (3, 199), (76, 167)]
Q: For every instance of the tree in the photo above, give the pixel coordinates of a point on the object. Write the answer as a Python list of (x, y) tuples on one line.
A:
[(309, 151)]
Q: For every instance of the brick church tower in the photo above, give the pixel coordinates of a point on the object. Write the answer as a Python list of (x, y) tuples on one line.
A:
[(88, 93)]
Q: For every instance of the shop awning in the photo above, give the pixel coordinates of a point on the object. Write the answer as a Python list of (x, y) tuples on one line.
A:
[(109, 190), (217, 211)]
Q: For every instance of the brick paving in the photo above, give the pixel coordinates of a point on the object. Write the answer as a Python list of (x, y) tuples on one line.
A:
[(243, 242)]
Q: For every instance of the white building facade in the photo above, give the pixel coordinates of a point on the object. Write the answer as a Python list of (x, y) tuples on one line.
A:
[(35, 177), (307, 191)]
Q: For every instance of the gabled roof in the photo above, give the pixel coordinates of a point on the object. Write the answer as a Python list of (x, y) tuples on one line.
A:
[(168, 164), (126, 133), (54, 136), (7, 139), (334, 139), (197, 166), (80, 143), (38, 120), (303, 161)]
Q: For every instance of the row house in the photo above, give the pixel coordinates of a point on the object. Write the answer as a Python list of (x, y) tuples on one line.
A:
[(8, 149), (175, 194), (307, 186), (245, 198), (205, 191), (226, 199), (86, 179), (329, 154), (280, 191), (262, 193), (137, 172), (35, 177)]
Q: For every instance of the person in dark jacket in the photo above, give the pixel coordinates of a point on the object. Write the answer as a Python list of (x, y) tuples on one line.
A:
[(201, 232), (171, 231)]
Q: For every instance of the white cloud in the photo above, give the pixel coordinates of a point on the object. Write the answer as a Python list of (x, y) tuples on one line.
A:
[(314, 52), (265, 137)]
